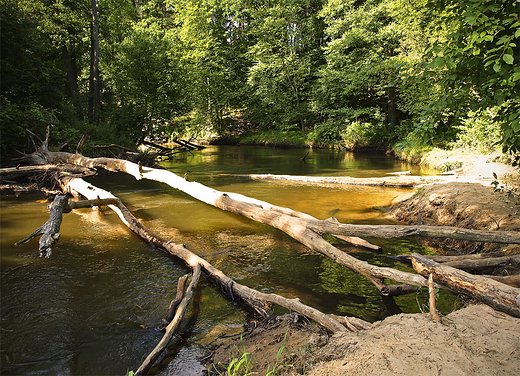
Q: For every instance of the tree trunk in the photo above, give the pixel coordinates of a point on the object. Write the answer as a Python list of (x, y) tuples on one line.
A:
[(300, 226), (483, 263), (94, 98), (72, 80), (495, 294)]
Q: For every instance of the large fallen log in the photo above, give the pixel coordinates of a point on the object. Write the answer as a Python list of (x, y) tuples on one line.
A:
[(403, 181), (495, 294), (258, 301), (484, 263), (442, 258), (329, 226)]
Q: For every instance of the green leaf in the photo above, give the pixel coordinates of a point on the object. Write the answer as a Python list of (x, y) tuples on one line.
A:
[(513, 116), (516, 125), (508, 59), (471, 18), (497, 66)]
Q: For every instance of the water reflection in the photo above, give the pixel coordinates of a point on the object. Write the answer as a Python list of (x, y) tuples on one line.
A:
[(92, 308)]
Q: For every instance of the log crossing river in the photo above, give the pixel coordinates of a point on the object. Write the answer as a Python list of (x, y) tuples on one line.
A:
[(92, 307)]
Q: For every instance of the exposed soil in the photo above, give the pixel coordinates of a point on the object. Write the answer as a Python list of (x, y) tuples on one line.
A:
[(475, 340)]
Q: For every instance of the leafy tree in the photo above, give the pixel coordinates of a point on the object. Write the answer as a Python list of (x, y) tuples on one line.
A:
[(286, 52), (143, 74), (358, 83), (479, 60), (33, 84)]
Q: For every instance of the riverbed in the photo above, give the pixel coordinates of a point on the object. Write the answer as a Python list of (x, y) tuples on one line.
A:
[(92, 307)]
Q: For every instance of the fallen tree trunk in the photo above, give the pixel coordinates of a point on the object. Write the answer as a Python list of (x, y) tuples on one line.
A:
[(441, 259), (483, 263), (511, 280), (401, 181), (329, 226), (50, 230), (258, 301), (495, 294)]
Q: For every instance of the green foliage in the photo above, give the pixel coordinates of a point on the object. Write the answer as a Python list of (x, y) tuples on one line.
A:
[(241, 365), (275, 138), (512, 192), (284, 57), (478, 66), (276, 370), (478, 132), (348, 71), (359, 135)]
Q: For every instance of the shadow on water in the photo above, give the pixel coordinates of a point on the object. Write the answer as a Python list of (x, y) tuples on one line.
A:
[(92, 308)]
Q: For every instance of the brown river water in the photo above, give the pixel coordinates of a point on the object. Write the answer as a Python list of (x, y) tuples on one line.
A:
[(92, 307)]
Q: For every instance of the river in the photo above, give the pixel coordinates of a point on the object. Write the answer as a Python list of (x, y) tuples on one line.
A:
[(92, 307)]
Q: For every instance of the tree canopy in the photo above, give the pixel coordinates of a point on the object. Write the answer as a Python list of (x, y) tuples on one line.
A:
[(362, 72)]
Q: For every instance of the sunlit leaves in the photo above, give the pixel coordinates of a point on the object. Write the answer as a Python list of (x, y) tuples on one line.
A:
[(480, 58)]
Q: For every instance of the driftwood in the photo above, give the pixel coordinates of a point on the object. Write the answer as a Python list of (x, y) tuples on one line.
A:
[(484, 263), (358, 242), (175, 302), (403, 181), (495, 294), (441, 258), (433, 308), (258, 301), (50, 230), (471, 262), (511, 280), (173, 325)]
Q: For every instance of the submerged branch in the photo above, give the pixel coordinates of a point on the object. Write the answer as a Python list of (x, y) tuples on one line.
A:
[(173, 325)]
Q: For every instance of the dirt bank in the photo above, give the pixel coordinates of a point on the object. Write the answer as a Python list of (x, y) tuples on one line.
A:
[(472, 341), (466, 205)]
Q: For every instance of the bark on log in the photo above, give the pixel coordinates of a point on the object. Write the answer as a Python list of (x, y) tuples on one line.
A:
[(483, 263), (511, 280), (173, 325), (495, 294), (258, 301), (442, 259), (50, 230)]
